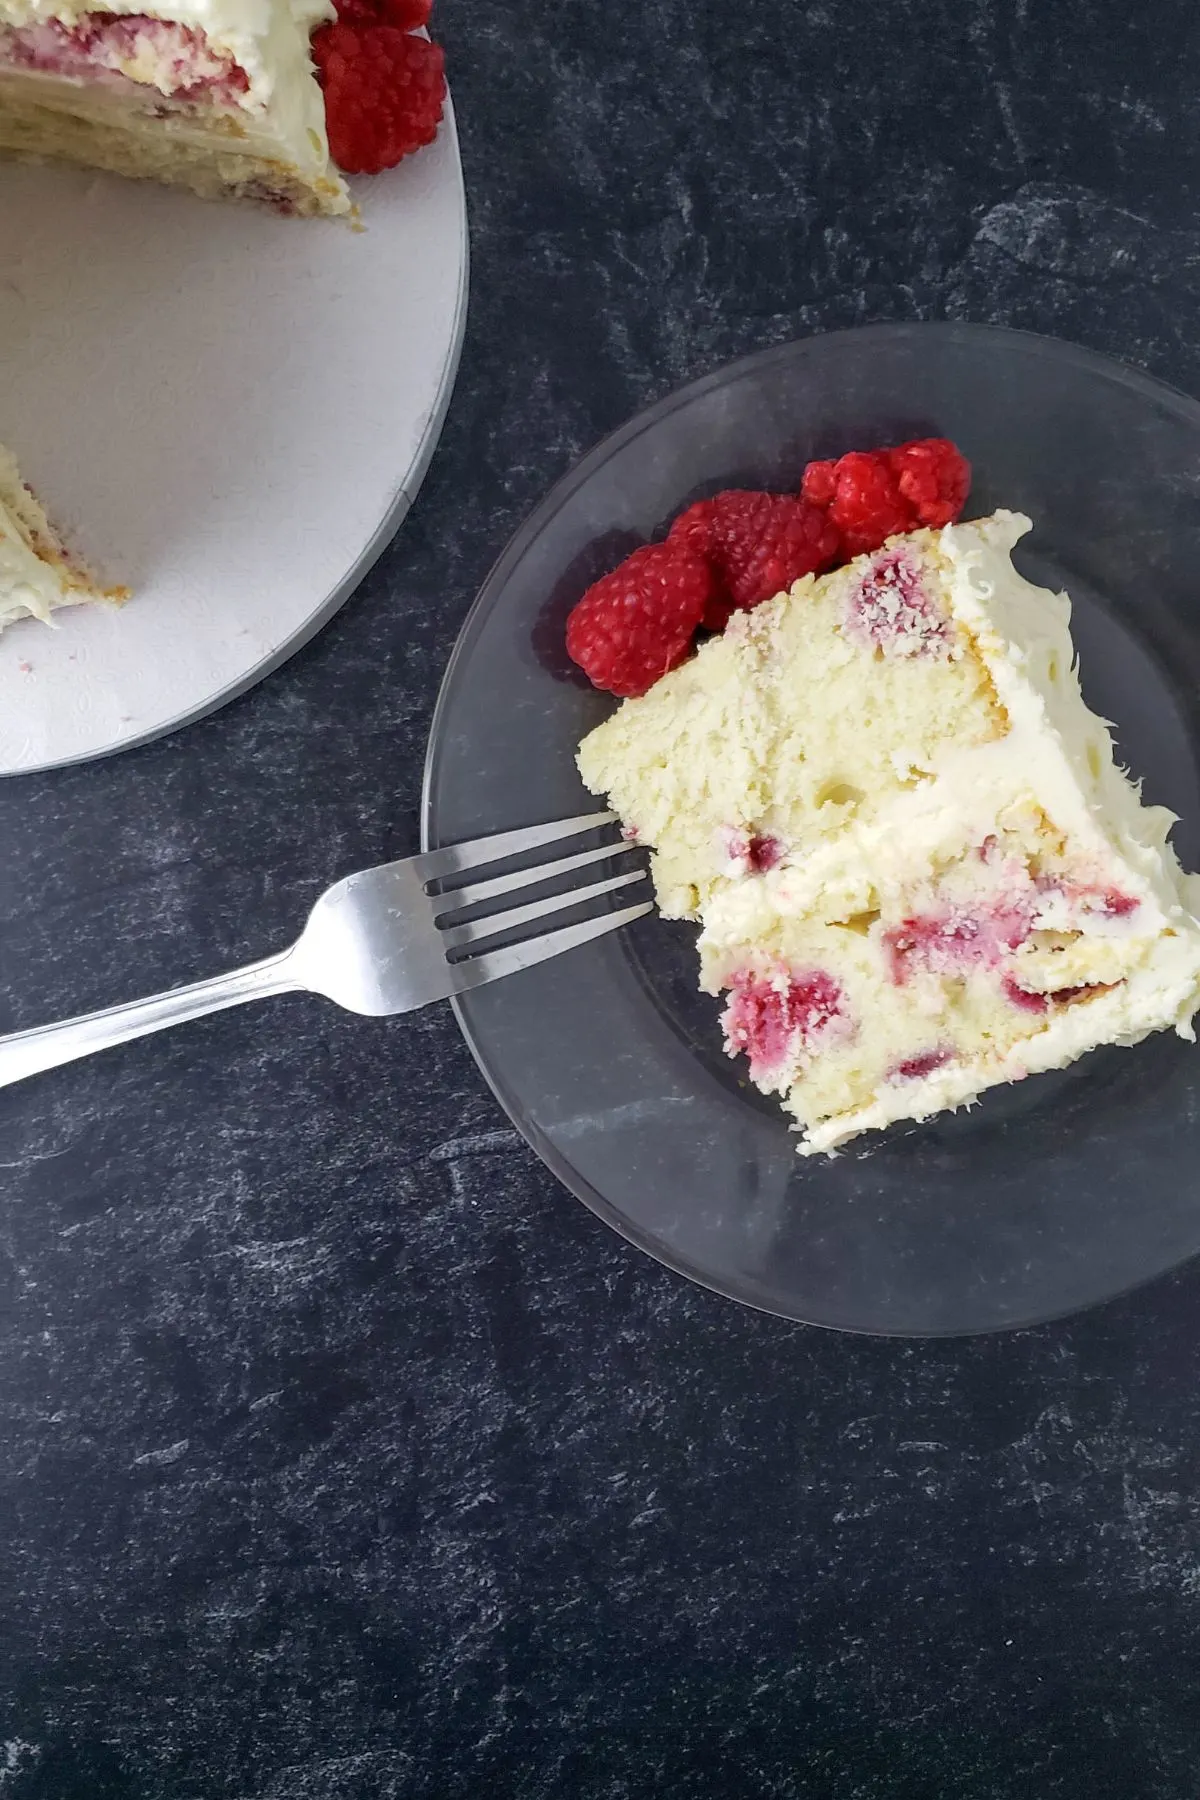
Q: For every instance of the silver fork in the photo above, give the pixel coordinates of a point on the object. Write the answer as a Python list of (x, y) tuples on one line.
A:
[(377, 942)]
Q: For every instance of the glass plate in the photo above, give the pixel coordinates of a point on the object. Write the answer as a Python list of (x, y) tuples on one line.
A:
[(1049, 1195)]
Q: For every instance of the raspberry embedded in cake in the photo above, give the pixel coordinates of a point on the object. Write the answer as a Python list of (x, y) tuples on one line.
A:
[(1108, 903), (751, 852), (916, 1068), (1030, 1000), (779, 1016), (952, 941), (891, 606)]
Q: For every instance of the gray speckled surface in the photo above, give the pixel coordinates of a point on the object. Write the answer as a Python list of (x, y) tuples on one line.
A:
[(343, 1456)]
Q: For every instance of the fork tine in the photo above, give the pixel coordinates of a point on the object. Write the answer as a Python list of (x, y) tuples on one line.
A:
[(495, 963), (457, 899), (477, 929), (477, 852)]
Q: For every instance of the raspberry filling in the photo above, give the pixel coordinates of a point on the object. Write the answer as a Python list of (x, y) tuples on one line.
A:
[(113, 49), (984, 935), (1104, 903), (752, 853), (773, 1019), (915, 1068), (1080, 905), (1028, 1001), (950, 942), (892, 609)]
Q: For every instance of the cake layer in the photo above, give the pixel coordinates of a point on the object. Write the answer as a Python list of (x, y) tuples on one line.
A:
[(918, 868), (219, 98), (37, 573)]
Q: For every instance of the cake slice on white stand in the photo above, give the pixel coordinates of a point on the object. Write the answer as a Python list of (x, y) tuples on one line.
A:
[(219, 96)]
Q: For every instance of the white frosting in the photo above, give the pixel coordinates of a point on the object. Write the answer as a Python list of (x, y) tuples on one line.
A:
[(1023, 634), (1059, 750)]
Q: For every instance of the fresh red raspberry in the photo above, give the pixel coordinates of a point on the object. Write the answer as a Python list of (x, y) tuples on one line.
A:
[(718, 612), (934, 478), (820, 483), (693, 529), (758, 544), (384, 91), (405, 15), (634, 625), (867, 505), (871, 495)]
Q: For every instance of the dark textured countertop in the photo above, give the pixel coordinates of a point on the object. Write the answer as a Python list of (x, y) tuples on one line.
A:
[(344, 1456)]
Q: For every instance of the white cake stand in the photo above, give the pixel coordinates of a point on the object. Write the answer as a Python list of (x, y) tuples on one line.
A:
[(229, 412)]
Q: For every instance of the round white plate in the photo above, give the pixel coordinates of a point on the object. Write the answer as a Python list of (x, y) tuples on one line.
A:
[(227, 411)]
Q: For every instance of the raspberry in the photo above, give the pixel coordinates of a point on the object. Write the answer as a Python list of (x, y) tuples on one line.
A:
[(1028, 1001), (1024, 999), (693, 527), (871, 495), (867, 505), (820, 483), (718, 612), (955, 940), (405, 15), (752, 853), (893, 609), (775, 1017), (635, 624), (758, 544), (764, 854), (915, 1068), (933, 476), (384, 92)]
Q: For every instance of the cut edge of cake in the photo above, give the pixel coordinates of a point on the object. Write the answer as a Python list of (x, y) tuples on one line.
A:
[(216, 96), (871, 895), (38, 573)]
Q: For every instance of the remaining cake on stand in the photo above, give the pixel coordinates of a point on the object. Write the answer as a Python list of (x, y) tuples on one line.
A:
[(38, 574), (219, 96), (918, 869)]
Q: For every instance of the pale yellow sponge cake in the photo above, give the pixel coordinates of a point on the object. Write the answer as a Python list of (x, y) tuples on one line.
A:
[(918, 870), (38, 574)]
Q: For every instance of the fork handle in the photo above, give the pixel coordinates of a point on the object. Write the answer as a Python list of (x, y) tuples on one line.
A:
[(46, 1046)]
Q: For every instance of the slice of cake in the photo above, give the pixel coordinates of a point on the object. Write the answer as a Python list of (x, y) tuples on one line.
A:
[(917, 868), (37, 573), (220, 98)]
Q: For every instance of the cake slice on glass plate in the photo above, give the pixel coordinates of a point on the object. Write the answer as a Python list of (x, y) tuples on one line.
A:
[(918, 869), (236, 99), (38, 574)]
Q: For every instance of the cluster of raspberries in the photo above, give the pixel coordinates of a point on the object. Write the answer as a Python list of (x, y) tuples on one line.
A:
[(384, 88), (729, 553)]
